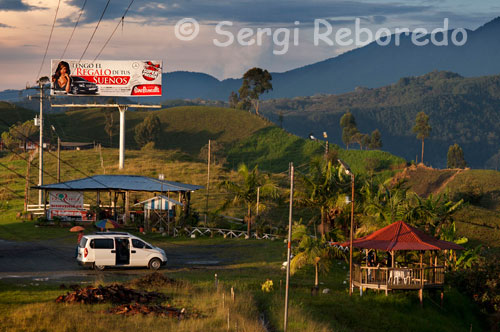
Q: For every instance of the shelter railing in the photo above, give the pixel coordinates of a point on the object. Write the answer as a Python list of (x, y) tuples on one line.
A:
[(398, 277)]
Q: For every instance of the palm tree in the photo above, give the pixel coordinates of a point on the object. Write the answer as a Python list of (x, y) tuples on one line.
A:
[(322, 189), (244, 192), (312, 251)]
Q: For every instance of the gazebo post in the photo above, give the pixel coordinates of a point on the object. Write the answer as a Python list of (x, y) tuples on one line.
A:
[(392, 258), (421, 290)]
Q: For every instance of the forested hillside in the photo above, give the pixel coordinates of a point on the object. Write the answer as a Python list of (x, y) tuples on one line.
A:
[(461, 110)]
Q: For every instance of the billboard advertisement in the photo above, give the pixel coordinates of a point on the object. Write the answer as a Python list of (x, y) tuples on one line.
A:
[(66, 200), (112, 78)]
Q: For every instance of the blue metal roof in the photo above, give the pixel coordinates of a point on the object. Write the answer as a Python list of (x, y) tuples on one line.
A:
[(120, 182)]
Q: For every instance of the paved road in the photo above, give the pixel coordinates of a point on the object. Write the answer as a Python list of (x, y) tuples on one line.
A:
[(51, 260)]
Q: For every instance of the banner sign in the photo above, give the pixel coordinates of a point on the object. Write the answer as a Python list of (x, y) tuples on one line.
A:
[(106, 78), (66, 200)]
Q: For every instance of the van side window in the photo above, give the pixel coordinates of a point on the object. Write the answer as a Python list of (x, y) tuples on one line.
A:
[(138, 244), (103, 244)]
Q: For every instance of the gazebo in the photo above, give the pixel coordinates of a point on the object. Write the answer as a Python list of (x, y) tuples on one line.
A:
[(400, 236)]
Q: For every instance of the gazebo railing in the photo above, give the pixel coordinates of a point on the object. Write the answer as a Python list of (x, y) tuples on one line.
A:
[(399, 277)]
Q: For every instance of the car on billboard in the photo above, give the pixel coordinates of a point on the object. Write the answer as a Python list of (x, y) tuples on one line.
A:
[(80, 85)]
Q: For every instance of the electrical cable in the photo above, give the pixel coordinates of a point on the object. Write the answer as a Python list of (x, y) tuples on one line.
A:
[(74, 28), (48, 43), (97, 26), (111, 36)]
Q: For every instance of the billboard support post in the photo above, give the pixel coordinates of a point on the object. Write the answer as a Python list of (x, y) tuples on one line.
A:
[(122, 109)]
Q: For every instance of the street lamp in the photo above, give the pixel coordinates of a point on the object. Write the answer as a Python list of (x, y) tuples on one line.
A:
[(325, 136), (349, 172)]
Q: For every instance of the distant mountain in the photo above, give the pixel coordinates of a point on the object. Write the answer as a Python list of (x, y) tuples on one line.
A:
[(461, 110), (369, 66)]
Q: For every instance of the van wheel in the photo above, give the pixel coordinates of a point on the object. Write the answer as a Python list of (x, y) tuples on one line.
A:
[(99, 267), (154, 264)]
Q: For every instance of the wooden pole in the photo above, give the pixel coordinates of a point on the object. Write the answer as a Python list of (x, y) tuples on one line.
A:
[(421, 290), (289, 249), (350, 235), (258, 200), (127, 207), (208, 183), (58, 159), (27, 186)]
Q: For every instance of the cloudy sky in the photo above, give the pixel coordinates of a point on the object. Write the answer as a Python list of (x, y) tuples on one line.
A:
[(148, 31)]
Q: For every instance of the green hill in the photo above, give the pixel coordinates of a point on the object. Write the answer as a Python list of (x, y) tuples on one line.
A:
[(11, 114)]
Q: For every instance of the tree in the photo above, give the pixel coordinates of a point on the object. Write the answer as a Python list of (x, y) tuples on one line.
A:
[(456, 157), (375, 140), (244, 192), (22, 132), (422, 128), (311, 251), (349, 129), (256, 81), (233, 99), (148, 131), (109, 124), (321, 189)]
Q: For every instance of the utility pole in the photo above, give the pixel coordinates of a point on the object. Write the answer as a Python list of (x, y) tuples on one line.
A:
[(289, 249), (58, 159), (208, 182)]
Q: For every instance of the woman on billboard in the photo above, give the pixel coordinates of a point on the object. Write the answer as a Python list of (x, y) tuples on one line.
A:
[(61, 79)]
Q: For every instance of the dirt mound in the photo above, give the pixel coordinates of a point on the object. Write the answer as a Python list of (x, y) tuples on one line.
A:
[(425, 180), (114, 293), (153, 280), (157, 310)]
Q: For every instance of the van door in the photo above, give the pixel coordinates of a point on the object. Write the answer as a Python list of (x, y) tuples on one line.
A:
[(140, 254), (104, 252), (122, 250)]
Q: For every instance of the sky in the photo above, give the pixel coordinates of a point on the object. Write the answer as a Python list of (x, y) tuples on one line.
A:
[(148, 31)]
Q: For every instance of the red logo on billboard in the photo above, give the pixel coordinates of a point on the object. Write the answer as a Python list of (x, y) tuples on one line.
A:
[(151, 71), (147, 90)]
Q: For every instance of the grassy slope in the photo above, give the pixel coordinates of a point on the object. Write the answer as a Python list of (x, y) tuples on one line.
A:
[(479, 220), (12, 114)]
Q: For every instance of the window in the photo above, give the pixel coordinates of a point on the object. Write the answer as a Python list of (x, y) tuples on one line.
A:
[(102, 244), (139, 244), (83, 242)]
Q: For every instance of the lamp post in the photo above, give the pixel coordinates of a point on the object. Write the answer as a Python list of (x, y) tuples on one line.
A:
[(349, 172), (325, 136)]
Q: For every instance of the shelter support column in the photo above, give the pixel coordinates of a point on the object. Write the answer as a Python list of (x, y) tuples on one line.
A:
[(127, 208), (122, 109)]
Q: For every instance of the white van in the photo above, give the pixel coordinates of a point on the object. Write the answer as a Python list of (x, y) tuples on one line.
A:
[(104, 249)]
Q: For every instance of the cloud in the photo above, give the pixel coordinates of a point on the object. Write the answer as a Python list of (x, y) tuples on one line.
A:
[(246, 11), (16, 5), (4, 26)]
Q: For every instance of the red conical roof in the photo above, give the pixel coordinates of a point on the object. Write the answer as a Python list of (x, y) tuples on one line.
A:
[(401, 236)]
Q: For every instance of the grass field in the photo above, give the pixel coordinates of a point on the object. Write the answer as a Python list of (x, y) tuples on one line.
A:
[(29, 307)]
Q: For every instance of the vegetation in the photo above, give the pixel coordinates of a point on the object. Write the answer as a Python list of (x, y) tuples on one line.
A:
[(456, 157), (148, 131), (256, 82), (462, 110), (422, 129)]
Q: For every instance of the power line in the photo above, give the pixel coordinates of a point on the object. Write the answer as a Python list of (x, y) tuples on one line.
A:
[(48, 43), (120, 21), (96, 27), (65, 162), (76, 24)]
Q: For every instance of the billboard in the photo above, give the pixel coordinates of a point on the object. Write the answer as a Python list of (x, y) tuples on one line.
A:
[(66, 200), (106, 78)]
